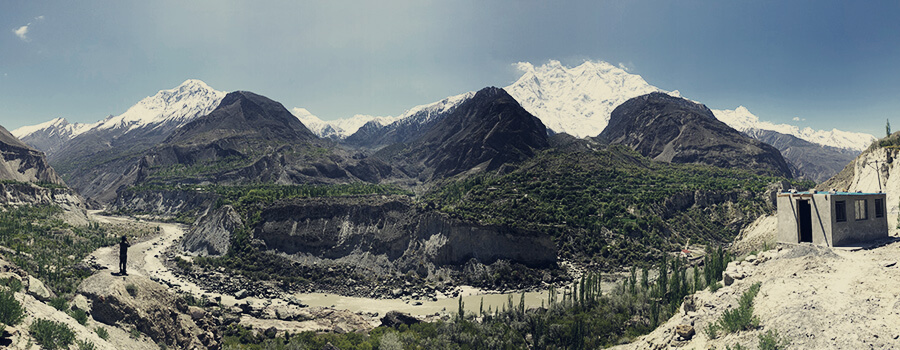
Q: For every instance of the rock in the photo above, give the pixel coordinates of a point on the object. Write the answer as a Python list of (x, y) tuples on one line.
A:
[(241, 294), (37, 289), (270, 332), (80, 302), (394, 319), (689, 304), (889, 263), (685, 331), (196, 313), (154, 311), (328, 346), (210, 236), (750, 259)]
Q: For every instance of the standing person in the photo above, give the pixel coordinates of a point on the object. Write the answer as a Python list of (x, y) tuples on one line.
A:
[(123, 255)]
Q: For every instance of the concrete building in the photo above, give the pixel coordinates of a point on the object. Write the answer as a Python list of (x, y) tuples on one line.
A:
[(831, 218)]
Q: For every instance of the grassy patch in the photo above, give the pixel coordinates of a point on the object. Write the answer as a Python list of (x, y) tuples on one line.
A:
[(51, 335)]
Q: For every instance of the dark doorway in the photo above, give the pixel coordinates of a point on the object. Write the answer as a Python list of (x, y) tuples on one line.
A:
[(805, 219)]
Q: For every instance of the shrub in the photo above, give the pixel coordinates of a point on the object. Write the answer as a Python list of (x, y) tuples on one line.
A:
[(85, 345), (11, 311), (712, 330), (79, 315), (14, 284), (51, 335), (715, 286), (390, 341), (59, 303), (131, 289), (772, 341), (135, 333), (102, 333), (741, 318)]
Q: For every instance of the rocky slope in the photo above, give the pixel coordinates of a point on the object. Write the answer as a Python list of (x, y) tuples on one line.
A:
[(811, 161), (676, 130), (872, 171), (384, 234), (22, 163), (814, 297), (486, 131)]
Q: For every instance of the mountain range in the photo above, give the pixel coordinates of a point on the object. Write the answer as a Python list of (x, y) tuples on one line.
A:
[(576, 100)]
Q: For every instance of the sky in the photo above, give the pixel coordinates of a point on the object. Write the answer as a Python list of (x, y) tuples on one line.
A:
[(823, 64)]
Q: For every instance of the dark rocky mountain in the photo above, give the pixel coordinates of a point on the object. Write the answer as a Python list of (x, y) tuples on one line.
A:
[(811, 161), (249, 138), (484, 132), (417, 121), (22, 163), (676, 130)]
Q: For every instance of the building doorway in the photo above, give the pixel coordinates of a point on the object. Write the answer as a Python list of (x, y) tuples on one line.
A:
[(805, 220)]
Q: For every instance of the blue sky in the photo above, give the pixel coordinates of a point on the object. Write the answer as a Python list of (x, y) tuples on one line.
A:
[(834, 64)]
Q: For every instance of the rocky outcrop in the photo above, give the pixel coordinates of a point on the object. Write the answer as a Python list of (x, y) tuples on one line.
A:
[(211, 234), (146, 305), (31, 194), (20, 162), (875, 170), (390, 232), (812, 161), (677, 130), (164, 203)]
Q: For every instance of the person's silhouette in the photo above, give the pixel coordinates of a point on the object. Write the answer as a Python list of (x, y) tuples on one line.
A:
[(123, 255)]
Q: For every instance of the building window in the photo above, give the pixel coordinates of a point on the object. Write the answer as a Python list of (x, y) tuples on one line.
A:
[(879, 208), (840, 211), (862, 209)]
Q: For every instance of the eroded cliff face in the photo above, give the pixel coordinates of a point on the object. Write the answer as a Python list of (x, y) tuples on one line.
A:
[(211, 235), (164, 203), (390, 232), (875, 170)]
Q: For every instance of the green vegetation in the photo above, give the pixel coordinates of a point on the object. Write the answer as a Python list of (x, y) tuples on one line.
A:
[(102, 333), (576, 317), (79, 315), (85, 345), (739, 319), (12, 283), (611, 206), (11, 311), (51, 334), (131, 289), (59, 303), (48, 248), (772, 341)]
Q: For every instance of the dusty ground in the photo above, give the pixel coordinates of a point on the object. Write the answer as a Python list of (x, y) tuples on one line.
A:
[(817, 297)]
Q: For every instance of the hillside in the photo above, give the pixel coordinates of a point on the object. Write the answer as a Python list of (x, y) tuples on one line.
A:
[(611, 205), (812, 161), (486, 131), (672, 129), (22, 163)]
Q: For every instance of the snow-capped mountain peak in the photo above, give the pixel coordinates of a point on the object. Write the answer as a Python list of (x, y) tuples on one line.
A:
[(576, 100), (743, 120), (59, 126), (182, 104)]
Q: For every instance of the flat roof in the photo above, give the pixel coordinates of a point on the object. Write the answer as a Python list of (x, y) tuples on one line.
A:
[(839, 193)]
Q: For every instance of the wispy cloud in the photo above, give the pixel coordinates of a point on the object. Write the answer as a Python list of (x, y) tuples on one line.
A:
[(798, 119), (22, 32), (626, 66)]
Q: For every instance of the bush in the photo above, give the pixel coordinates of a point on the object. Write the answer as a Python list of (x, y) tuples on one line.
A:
[(11, 311), (131, 289), (79, 315), (85, 345), (59, 303), (390, 341), (135, 333), (742, 318), (14, 284), (51, 335), (102, 333), (712, 330), (772, 341)]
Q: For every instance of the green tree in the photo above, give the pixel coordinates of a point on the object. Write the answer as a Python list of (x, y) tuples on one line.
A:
[(887, 127)]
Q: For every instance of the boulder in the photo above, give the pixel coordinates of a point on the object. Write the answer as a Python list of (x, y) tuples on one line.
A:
[(154, 310), (685, 331), (394, 319), (38, 290)]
